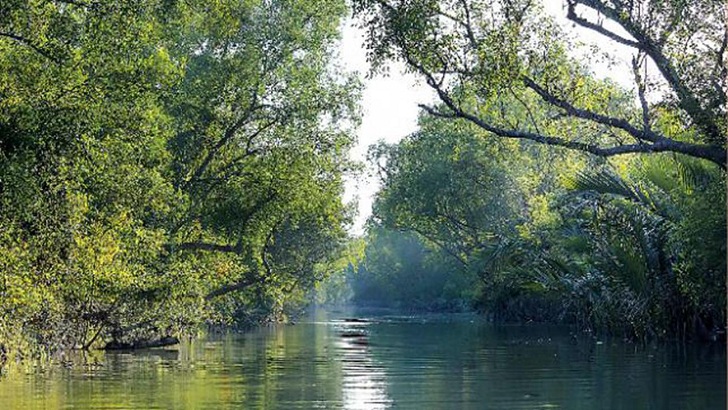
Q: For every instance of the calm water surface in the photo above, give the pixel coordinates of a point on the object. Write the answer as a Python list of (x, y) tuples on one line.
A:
[(332, 362)]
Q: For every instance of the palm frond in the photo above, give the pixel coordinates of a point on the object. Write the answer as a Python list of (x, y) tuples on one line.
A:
[(693, 174), (603, 181), (606, 182)]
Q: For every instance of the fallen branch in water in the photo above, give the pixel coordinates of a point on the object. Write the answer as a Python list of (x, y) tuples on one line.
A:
[(142, 344)]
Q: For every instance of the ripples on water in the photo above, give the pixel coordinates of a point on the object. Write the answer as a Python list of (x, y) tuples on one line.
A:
[(445, 362)]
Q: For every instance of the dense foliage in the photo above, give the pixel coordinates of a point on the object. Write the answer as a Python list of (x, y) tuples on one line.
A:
[(532, 174), (635, 248), (165, 164), (169, 164)]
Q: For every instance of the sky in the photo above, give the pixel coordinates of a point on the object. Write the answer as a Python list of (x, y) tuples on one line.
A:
[(389, 113), (390, 104)]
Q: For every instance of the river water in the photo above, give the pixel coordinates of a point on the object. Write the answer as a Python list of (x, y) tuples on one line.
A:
[(345, 361)]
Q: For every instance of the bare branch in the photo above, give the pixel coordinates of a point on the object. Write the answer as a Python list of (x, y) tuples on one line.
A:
[(641, 88), (468, 24), (571, 15)]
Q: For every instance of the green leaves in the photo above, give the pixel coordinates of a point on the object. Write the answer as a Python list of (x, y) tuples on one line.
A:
[(480, 56), (551, 236), (156, 153)]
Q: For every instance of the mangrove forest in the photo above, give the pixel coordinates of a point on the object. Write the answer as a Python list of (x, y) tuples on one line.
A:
[(171, 170)]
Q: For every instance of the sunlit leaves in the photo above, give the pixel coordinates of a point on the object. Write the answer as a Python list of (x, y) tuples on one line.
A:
[(131, 129)]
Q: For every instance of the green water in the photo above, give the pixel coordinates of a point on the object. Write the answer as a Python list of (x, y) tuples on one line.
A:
[(389, 362)]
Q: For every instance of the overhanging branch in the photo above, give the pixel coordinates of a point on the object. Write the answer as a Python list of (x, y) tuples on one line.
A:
[(687, 100), (712, 153), (590, 115), (234, 287), (659, 143)]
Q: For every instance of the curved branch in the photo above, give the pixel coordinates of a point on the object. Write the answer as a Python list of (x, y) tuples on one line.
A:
[(234, 287), (591, 115), (711, 153), (24, 41), (660, 143), (686, 98), (647, 140), (571, 15)]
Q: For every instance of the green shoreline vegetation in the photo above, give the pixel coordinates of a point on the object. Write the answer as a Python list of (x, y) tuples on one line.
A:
[(165, 165), (534, 190), (171, 165)]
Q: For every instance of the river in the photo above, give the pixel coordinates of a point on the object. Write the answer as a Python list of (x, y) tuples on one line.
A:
[(349, 361)]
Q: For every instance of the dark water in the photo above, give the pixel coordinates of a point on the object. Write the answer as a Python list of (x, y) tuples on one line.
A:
[(388, 362)]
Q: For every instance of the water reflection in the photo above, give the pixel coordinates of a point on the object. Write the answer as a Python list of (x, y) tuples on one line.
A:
[(388, 362), (364, 382)]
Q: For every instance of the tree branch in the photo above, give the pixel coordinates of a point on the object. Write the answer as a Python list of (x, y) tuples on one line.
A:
[(590, 115), (206, 246), (641, 89), (26, 42), (686, 98), (642, 134), (234, 287), (571, 15), (711, 153)]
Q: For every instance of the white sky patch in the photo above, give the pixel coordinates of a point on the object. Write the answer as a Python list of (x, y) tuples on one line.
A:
[(389, 113)]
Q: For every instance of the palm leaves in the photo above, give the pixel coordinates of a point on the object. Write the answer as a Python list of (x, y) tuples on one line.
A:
[(632, 225), (606, 182)]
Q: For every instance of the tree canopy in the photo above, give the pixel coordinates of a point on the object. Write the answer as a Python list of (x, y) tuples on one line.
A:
[(634, 247), (166, 164), (474, 54)]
